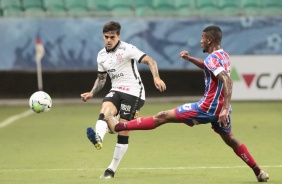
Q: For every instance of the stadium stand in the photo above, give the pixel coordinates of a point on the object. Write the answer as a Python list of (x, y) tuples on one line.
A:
[(207, 8), (98, 8), (184, 8), (76, 8), (121, 8), (144, 8), (272, 7), (33, 8), (164, 8), (11, 8), (251, 7), (141, 8), (230, 7), (55, 8)]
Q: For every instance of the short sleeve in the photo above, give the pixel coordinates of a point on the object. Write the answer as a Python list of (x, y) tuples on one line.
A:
[(101, 68), (135, 53), (212, 64)]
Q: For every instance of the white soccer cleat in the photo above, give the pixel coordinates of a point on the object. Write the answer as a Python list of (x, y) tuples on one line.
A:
[(111, 120), (263, 176)]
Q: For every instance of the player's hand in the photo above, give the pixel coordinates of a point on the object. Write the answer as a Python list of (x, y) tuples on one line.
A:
[(223, 117), (159, 83), (85, 96), (184, 55)]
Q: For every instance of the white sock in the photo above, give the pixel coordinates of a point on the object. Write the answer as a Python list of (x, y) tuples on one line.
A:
[(101, 128), (119, 152)]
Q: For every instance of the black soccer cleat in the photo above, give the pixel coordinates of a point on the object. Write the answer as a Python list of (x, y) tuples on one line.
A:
[(108, 174)]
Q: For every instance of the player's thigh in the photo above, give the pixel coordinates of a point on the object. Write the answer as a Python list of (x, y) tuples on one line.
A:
[(167, 116), (191, 114), (109, 104), (130, 106), (223, 129)]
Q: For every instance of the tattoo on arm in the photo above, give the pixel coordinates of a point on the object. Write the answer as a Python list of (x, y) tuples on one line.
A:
[(152, 65), (99, 83), (227, 86)]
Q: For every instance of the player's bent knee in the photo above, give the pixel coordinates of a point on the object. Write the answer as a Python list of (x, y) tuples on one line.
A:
[(161, 117)]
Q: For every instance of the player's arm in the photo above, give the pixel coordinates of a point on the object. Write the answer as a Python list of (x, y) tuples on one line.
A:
[(196, 61), (160, 85), (227, 87), (98, 85)]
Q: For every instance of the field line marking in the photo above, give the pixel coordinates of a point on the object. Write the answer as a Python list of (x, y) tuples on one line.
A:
[(144, 168), (14, 118)]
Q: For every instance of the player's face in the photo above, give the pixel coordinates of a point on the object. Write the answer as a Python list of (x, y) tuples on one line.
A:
[(205, 42), (111, 39)]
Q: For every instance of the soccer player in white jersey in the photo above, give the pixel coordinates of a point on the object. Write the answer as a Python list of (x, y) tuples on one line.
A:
[(118, 59)]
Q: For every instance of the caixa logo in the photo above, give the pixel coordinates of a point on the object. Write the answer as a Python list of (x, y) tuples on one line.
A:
[(263, 80)]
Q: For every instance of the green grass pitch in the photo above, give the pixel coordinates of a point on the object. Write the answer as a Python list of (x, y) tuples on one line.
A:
[(52, 148)]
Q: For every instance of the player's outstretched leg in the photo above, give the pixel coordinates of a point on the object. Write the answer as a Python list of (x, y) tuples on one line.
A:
[(94, 138), (110, 119)]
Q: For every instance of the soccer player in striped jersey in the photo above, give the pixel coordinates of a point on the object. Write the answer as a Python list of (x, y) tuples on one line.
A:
[(214, 107), (118, 60)]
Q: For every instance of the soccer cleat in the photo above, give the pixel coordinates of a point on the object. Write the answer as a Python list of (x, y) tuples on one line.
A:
[(108, 174), (111, 120), (94, 138), (263, 176)]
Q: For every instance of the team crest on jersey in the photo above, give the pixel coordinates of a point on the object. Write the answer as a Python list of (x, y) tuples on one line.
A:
[(119, 57), (213, 64)]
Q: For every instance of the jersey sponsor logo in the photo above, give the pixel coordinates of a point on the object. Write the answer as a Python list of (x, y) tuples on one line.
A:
[(126, 113), (125, 107), (123, 88), (115, 76), (111, 70)]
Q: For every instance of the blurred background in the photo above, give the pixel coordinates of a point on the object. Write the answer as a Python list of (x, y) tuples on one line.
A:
[(71, 33)]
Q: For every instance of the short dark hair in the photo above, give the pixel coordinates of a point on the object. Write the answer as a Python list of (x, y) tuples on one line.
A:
[(112, 26), (214, 32)]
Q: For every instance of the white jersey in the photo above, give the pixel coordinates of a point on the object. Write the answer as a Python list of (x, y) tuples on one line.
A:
[(120, 64)]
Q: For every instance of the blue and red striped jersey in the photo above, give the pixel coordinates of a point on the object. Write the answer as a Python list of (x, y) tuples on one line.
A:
[(213, 98)]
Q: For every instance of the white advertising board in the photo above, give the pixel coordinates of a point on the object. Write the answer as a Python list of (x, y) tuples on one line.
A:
[(257, 77)]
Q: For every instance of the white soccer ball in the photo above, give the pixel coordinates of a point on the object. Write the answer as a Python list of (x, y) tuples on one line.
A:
[(40, 101)]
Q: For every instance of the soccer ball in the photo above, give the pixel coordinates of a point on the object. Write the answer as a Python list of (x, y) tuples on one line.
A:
[(40, 101)]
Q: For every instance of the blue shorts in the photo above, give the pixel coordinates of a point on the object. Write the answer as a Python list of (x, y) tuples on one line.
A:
[(191, 115)]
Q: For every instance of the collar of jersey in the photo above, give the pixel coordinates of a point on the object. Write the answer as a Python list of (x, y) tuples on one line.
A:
[(113, 49)]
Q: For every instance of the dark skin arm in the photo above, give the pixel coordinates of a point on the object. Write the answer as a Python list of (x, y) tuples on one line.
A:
[(227, 87), (196, 61)]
